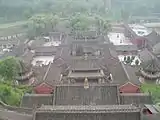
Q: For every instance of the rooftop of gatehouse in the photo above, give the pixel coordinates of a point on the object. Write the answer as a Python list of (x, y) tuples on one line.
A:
[(67, 98), (86, 37), (79, 95), (84, 63), (88, 109)]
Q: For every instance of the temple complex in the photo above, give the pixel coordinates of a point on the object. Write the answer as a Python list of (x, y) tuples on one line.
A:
[(82, 78)]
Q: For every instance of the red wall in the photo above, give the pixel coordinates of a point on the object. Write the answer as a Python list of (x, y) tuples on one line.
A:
[(43, 89), (129, 88), (140, 42)]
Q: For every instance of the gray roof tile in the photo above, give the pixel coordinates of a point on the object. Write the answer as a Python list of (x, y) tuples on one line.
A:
[(135, 98), (94, 95), (89, 109), (34, 100)]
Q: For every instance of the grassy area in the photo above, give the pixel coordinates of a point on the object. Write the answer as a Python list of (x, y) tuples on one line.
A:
[(154, 90), (12, 28), (8, 25)]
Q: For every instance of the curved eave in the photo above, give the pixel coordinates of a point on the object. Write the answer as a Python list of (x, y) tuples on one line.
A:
[(152, 66), (25, 77), (150, 76)]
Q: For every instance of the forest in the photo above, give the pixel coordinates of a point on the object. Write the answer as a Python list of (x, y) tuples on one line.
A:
[(19, 10)]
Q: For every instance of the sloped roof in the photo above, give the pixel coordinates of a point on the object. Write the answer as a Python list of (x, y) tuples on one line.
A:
[(86, 75), (118, 29), (27, 58), (131, 74), (152, 65), (34, 100), (135, 98), (153, 38), (87, 34), (89, 109), (55, 34), (126, 26), (54, 75), (84, 63), (10, 41), (127, 48), (64, 53), (45, 50), (59, 61), (113, 64), (50, 74), (151, 117), (145, 55), (39, 73), (76, 94), (156, 49), (37, 43)]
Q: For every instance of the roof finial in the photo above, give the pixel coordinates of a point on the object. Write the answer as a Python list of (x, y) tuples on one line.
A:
[(86, 84)]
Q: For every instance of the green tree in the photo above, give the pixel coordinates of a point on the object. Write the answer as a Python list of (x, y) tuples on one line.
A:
[(12, 95), (42, 24), (53, 21), (80, 22), (102, 25), (8, 68), (36, 25), (153, 89)]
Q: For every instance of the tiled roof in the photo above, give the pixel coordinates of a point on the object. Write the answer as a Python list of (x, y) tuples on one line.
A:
[(49, 50), (153, 38), (145, 55), (37, 43), (84, 63), (111, 61), (131, 74), (135, 98), (55, 34), (34, 100), (156, 49), (85, 75), (152, 65), (151, 117), (89, 109), (126, 48), (94, 95), (118, 29), (87, 34), (27, 58), (11, 41), (50, 74)]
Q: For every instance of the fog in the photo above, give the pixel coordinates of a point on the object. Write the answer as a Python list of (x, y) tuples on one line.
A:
[(17, 10)]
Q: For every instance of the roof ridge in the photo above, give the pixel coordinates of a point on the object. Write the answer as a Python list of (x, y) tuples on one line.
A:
[(45, 76)]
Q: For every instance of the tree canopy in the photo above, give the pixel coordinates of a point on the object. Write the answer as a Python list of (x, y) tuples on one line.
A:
[(154, 90), (23, 9), (9, 92), (8, 68)]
